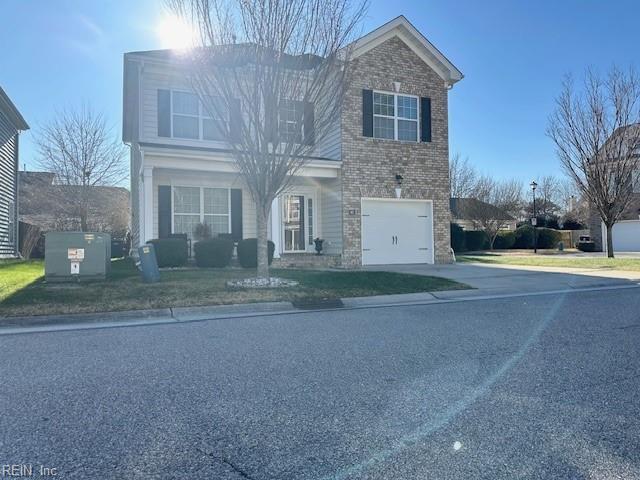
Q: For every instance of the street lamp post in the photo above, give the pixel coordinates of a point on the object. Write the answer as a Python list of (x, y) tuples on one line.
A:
[(534, 220)]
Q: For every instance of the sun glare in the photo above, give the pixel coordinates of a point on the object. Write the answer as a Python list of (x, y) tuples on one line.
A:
[(173, 32)]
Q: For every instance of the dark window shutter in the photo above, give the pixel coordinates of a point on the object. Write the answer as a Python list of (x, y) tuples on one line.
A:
[(164, 113), (367, 113), (309, 124), (236, 214), (164, 211), (425, 119), (235, 121), (270, 120)]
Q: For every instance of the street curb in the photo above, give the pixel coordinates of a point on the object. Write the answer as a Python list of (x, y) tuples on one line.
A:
[(131, 318), (191, 314), (158, 314)]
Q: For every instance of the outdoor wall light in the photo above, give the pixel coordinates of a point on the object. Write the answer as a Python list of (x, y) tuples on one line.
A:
[(399, 185)]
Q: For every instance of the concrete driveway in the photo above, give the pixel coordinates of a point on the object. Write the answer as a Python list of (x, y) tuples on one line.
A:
[(514, 279)]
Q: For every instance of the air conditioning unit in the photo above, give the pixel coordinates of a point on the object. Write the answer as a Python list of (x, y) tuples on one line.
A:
[(76, 256)]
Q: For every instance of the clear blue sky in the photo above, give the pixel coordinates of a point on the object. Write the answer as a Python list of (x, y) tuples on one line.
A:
[(513, 53)]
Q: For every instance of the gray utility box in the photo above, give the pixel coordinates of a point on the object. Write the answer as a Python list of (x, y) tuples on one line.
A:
[(76, 256)]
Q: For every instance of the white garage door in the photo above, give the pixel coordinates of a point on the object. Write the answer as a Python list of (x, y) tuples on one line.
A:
[(397, 231), (626, 236)]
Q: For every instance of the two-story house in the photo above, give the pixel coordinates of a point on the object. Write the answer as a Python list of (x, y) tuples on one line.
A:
[(11, 124), (376, 189), (626, 232)]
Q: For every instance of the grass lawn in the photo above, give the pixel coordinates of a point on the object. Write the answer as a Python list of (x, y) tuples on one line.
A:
[(593, 263), (16, 275), (24, 291)]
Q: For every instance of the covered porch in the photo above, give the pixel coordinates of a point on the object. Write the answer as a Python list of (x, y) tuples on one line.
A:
[(177, 193)]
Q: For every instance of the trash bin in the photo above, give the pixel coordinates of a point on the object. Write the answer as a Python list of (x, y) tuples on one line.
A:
[(561, 246), (148, 263)]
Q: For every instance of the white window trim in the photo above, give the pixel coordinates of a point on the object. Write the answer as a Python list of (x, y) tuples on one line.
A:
[(395, 118), (293, 122), (201, 213), (202, 115)]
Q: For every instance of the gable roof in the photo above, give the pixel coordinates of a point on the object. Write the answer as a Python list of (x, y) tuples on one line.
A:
[(402, 28), (12, 113), (459, 206)]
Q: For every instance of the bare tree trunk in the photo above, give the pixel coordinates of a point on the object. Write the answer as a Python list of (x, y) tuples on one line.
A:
[(492, 240), (83, 222), (262, 216), (610, 241)]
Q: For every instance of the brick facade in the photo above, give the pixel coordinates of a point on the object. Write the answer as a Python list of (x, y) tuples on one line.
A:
[(370, 165)]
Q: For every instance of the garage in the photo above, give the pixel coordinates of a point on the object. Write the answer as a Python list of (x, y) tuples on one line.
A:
[(626, 236), (396, 231)]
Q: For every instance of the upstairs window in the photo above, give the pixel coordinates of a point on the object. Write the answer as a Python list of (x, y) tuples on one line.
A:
[(395, 117), (192, 120), (214, 121), (290, 120), (186, 115)]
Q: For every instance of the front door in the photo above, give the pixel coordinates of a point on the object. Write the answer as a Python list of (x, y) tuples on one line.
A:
[(297, 221)]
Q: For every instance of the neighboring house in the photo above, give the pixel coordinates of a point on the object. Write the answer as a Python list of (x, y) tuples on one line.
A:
[(42, 203), (626, 232), (11, 124), (460, 208), (394, 123)]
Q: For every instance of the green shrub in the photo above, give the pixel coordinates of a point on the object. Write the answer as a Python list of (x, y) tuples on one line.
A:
[(215, 252), (457, 238), (170, 252), (476, 240), (586, 246), (524, 237), (548, 238), (202, 231), (504, 240), (248, 252)]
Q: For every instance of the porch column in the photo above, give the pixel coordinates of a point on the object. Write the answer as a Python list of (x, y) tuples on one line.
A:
[(147, 186), (276, 227)]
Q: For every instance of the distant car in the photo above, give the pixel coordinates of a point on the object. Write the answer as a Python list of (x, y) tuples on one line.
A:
[(584, 238)]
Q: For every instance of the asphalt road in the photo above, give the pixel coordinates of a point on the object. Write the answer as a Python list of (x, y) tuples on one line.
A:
[(532, 387)]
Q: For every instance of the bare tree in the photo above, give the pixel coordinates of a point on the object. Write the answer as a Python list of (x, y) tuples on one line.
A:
[(29, 237), (547, 198), (462, 176), (82, 151), (494, 205), (596, 131), (278, 71)]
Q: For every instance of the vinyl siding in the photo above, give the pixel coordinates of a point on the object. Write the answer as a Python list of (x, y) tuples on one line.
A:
[(155, 77), (329, 146), (8, 186), (331, 215)]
